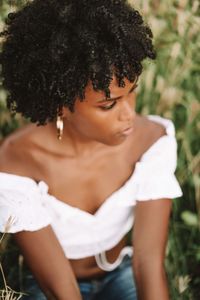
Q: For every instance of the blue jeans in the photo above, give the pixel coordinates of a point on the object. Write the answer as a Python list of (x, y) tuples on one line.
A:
[(118, 284)]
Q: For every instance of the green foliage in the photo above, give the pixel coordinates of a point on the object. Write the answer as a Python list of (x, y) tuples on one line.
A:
[(169, 87), (8, 122)]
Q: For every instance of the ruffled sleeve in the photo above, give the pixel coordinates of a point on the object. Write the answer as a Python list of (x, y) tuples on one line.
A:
[(156, 169), (22, 205)]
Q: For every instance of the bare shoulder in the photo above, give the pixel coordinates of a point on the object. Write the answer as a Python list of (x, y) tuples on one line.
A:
[(153, 129), (16, 151), (147, 133)]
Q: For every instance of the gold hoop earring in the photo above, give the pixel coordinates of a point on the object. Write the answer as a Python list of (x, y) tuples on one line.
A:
[(59, 126)]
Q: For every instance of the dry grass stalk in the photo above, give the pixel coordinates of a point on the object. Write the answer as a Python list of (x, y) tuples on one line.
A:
[(7, 293), (8, 225)]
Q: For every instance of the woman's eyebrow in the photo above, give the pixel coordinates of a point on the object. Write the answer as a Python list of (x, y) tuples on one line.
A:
[(117, 98)]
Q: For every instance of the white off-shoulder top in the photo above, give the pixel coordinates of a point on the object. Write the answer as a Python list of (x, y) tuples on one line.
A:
[(81, 234)]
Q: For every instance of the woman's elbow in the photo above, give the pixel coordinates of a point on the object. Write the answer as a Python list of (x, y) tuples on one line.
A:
[(148, 264)]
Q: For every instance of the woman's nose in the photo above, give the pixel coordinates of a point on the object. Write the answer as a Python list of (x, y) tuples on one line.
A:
[(127, 112)]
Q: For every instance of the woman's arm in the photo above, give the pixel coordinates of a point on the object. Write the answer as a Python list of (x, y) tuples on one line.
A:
[(49, 264), (150, 233)]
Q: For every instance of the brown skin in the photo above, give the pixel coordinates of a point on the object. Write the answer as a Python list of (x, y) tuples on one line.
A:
[(91, 141)]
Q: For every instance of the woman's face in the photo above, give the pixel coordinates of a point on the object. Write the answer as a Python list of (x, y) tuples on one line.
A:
[(104, 120)]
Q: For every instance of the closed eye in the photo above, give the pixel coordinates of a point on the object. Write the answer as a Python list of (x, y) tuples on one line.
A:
[(107, 107)]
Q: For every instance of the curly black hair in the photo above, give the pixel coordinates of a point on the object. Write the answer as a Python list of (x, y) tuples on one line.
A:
[(52, 48)]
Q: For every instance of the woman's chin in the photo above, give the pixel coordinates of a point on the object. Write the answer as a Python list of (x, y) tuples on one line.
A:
[(115, 141)]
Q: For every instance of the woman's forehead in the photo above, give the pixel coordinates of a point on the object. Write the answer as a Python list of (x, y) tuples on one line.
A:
[(92, 96)]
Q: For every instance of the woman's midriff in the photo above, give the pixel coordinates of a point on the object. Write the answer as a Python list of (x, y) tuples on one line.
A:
[(87, 268)]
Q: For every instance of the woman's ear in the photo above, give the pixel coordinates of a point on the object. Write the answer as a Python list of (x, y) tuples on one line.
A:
[(66, 112)]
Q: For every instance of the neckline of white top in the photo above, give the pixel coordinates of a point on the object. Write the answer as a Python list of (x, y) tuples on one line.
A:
[(43, 187)]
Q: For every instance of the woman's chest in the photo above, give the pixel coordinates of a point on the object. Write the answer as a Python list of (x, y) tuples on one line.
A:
[(86, 186), (87, 183)]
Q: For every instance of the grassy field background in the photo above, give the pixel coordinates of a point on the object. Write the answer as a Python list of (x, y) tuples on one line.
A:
[(169, 87)]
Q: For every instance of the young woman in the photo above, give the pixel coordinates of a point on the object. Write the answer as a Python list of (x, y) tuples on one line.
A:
[(88, 167)]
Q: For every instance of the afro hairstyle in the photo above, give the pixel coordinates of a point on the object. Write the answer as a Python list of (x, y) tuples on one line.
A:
[(53, 48)]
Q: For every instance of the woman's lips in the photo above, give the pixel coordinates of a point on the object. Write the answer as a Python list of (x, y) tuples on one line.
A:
[(127, 131)]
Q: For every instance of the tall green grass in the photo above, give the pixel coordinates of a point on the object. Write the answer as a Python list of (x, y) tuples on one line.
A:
[(169, 87)]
